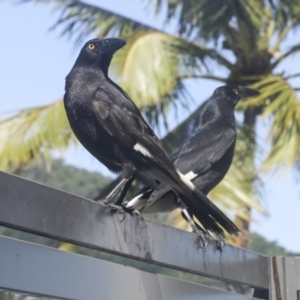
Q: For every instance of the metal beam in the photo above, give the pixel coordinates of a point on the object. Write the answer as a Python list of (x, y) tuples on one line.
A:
[(44, 271), (35, 208), (284, 278)]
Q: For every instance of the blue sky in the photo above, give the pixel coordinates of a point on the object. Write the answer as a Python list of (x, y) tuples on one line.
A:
[(34, 62)]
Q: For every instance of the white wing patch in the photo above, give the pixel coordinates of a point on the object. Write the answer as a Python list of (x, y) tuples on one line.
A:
[(140, 148), (190, 175), (186, 180), (135, 201)]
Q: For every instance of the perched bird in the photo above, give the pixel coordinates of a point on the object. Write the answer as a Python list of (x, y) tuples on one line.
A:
[(204, 159), (110, 126)]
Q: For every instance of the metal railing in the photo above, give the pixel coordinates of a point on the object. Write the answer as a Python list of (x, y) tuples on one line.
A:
[(40, 270)]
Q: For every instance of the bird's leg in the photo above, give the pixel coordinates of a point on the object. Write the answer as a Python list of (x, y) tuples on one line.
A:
[(206, 238), (107, 200), (124, 191), (188, 217), (136, 213), (121, 198), (124, 182), (128, 174)]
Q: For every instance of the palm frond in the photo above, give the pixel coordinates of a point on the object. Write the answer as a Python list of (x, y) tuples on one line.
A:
[(292, 50), (209, 20), (79, 19), (146, 68), (286, 11), (280, 104), (198, 56), (32, 134)]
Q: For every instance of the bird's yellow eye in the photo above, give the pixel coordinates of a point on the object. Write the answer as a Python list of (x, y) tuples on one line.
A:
[(91, 46), (236, 91)]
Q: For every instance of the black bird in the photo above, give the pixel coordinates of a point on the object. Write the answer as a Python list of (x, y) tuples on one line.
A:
[(205, 158), (110, 126)]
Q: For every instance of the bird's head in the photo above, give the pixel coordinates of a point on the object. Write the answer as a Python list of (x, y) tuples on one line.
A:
[(99, 51), (234, 93)]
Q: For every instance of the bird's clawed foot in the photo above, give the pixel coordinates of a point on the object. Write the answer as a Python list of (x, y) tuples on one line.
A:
[(118, 208), (206, 239), (137, 214), (220, 245), (121, 209), (131, 210)]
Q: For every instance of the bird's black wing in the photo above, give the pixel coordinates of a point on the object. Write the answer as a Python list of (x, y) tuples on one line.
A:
[(204, 148), (197, 155), (122, 120)]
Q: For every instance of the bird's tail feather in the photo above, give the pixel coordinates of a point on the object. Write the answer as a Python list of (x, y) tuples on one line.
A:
[(210, 216), (198, 204)]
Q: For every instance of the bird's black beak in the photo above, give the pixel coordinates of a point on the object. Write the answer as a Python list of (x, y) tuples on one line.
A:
[(111, 45), (245, 92)]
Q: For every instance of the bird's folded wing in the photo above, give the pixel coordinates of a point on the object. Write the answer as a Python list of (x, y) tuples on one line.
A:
[(197, 155), (203, 149), (124, 121)]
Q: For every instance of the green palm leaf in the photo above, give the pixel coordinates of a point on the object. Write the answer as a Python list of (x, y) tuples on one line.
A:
[(280, 104), (209, 19), (147, 69), (32, 134)]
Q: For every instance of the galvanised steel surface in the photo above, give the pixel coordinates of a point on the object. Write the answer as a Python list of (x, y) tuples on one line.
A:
[(42, 210), (284, 278), (44, 271)]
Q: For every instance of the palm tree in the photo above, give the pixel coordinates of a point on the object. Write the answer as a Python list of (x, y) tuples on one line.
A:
[(230, 41)]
